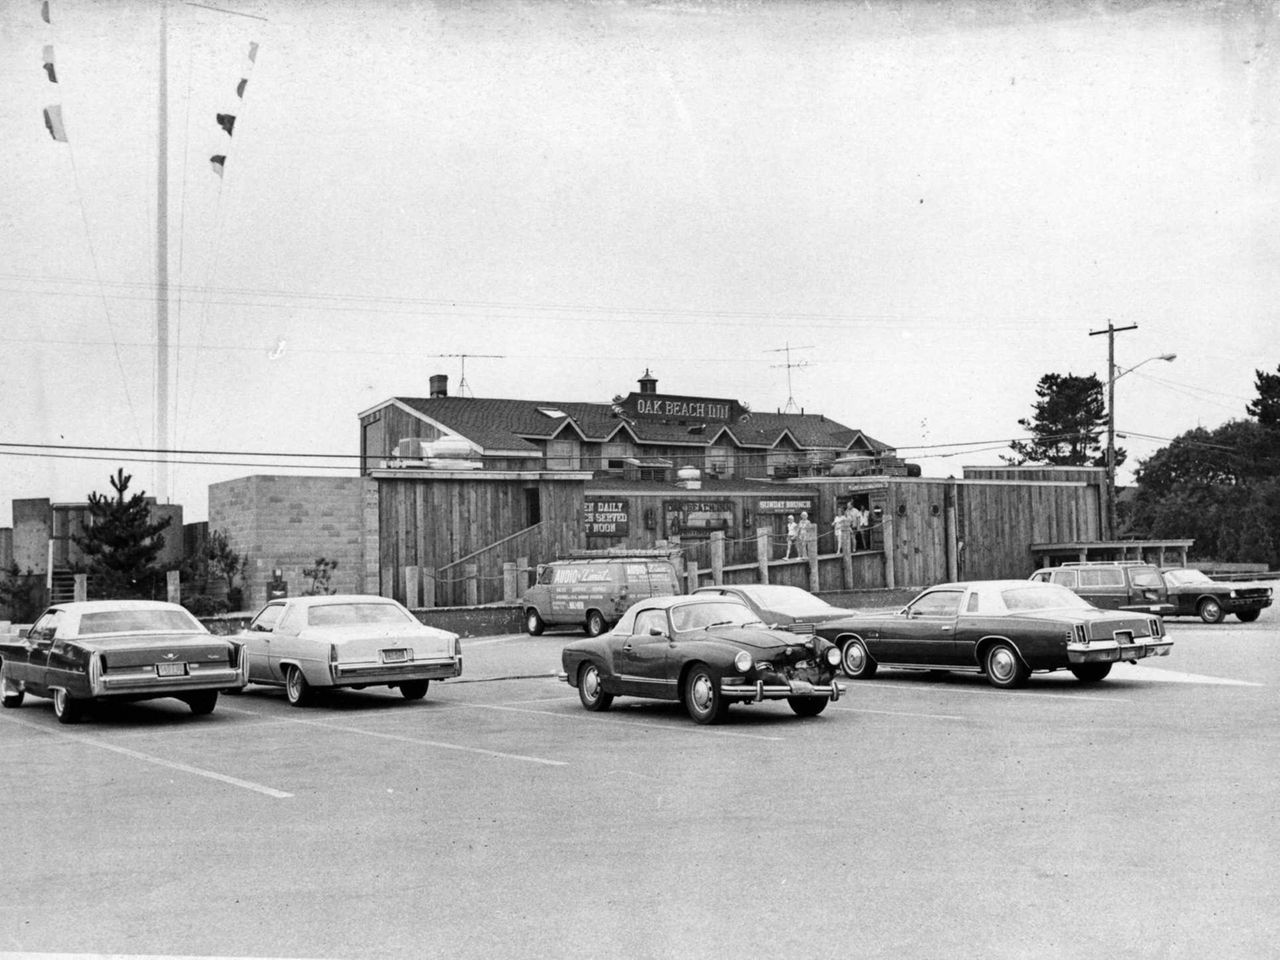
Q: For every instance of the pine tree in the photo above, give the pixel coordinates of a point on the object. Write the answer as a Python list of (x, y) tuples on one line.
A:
[(121, 543), (1069, 417)]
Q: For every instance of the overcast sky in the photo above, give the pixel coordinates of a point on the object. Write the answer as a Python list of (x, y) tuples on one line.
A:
[(932, 204)]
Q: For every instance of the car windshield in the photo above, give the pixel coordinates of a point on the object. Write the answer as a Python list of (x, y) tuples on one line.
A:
[(138, 621), (340, 614), (1146, 577), (1041, 596), (791, 600), (698, 616), (1182, 578)]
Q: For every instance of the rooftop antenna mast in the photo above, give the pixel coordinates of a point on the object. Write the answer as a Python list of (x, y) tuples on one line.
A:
[(463, 389), (790, 365)]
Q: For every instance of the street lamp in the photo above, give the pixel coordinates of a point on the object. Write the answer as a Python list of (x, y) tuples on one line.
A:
[(1112, 376)]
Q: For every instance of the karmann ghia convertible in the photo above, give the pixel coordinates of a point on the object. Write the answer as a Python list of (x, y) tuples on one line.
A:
[(707, 651), (1005, 629)]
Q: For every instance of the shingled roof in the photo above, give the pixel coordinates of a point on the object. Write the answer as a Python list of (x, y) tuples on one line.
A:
[(511, 424)]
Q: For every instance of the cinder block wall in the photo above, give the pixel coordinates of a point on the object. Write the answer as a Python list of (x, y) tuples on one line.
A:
[(288, 522)]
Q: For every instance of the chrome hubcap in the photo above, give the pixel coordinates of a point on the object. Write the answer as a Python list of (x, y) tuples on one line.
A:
[(853, 657), (1001, 664), (591, 684), (702, 692)]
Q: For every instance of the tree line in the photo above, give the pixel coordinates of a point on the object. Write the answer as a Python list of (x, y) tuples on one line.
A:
[(1220, 487)]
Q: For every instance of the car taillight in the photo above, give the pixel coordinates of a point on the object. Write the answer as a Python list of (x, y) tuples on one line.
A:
[(1078, 634), (1157, 627), (333, 653)]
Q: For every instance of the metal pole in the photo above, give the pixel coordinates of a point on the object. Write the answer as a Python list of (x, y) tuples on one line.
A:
[(162, 267)]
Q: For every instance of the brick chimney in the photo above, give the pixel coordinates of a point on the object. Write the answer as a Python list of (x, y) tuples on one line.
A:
[(439, 385)]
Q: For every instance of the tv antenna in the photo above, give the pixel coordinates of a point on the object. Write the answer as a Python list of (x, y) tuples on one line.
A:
[(790, 365), (463, 389)]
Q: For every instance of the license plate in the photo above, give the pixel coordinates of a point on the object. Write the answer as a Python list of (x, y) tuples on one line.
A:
[(171, 669), (399, 655)]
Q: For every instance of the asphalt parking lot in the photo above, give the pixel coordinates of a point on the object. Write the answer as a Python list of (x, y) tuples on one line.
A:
[(918, 817)]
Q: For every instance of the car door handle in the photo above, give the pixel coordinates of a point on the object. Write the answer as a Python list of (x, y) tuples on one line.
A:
[(626, 646)]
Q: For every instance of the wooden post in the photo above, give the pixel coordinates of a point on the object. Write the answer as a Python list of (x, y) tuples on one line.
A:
[(717, 557), (411, 587), (471, 573), (523, 582), (428, 587), (810, 548), (890, 576), (387, 586), (762, 552), (953, 546), (846, 558), (82, 587), (173, 583), (691, 577), (510, 585)]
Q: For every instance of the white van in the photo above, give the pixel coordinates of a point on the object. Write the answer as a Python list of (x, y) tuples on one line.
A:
[(594, 592)]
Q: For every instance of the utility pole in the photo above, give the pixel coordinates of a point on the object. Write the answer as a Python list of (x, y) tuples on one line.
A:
[(1111, 332), (162, 439)]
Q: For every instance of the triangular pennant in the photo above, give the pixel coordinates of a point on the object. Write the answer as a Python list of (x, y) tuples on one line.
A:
[(244, 82), (48, 63), (44, 11), (253, 52), (227, 122), (218, 161), (53, 121)]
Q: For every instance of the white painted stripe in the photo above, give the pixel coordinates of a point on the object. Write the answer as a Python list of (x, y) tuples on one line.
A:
[(1173, 676), (583, 715), (989, 691), (439, 745), (900, 713), (468, 644), (158, 761)]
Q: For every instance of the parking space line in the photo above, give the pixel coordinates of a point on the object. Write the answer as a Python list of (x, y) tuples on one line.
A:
[(400, 738), (158, 761), (900, 713), (992, 692), (577, 715)]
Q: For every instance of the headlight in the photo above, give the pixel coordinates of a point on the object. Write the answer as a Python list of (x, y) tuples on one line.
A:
[(742, 661), (833, 656)]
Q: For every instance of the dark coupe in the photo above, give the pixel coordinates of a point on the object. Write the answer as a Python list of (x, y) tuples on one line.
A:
[(76, 653), (1195, 594), (707, 651), (1005, 629)]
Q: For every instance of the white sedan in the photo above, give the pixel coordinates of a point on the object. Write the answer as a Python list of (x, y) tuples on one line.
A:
[(356, 641)]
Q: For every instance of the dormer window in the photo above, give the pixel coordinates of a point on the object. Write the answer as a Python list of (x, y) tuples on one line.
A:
[(553, 413)]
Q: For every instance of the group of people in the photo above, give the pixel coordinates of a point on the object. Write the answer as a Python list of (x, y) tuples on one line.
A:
[(852, 523)]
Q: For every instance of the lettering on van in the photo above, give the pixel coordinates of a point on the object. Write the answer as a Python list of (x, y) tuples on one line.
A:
[(606, 518)]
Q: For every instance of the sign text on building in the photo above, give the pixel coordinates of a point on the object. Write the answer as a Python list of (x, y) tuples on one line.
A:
[(606, 518)]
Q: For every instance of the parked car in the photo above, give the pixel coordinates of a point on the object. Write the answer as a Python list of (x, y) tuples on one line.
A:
[(347, 640), (1195, 594), (105, 650), (706, 651), (780, 606), (1005, 629), (1113, 584), (595, 591)]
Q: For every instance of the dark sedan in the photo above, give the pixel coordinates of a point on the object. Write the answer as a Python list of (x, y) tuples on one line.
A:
[(1005, 629), (1194, 594), (707, 651), (76, 653), (779, 605)]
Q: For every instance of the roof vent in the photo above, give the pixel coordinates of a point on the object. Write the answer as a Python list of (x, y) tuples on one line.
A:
[(648, 383), (439, 385)]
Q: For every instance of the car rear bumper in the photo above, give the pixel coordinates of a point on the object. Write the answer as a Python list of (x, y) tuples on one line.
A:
[(758, 691), (1110, 652), (136, 683), (380, 673)]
